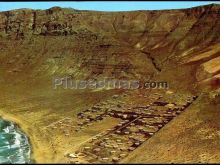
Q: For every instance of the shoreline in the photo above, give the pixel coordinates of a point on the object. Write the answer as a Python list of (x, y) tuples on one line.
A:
[(24, 129)]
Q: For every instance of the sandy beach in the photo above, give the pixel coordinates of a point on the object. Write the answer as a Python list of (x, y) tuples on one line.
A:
[(24, 129)]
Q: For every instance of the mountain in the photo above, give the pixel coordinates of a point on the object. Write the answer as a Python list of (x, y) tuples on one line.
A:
[(180, 46), (133, 44)]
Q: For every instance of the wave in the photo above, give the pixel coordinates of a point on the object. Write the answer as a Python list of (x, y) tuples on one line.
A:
[(14, 145)]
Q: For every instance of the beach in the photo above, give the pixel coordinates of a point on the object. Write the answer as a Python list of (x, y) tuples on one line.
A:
[(35, 113), (14, 144), (36, 152)]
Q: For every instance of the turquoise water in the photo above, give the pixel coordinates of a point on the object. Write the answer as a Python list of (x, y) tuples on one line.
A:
[(14, 145)]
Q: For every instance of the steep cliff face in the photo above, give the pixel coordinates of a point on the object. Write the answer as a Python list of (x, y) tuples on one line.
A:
[(86, 44)]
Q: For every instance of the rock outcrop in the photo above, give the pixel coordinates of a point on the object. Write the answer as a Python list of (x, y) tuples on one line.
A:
[(137, 44)]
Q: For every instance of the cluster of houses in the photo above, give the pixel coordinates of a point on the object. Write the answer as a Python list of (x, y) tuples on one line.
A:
[(138, 124)]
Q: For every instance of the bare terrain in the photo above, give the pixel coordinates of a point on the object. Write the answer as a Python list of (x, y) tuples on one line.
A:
[(175, 125)]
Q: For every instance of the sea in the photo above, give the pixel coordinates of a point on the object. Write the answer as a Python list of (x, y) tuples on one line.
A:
[(14, 145)]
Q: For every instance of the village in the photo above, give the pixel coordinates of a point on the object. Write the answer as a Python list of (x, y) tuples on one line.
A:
[(138, 123)]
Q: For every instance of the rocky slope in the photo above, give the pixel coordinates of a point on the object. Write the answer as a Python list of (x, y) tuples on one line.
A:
[(181, 47), (138, 44)]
